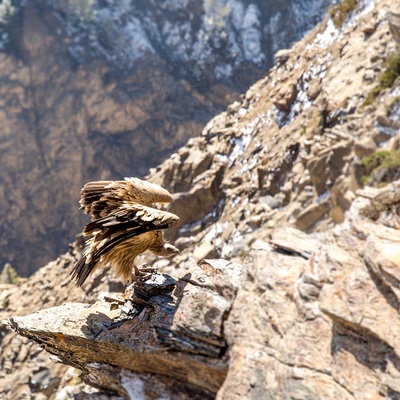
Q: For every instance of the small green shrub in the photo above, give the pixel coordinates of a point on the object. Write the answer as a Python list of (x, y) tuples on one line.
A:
[(392, 65), (340, 12), (364, 180), (385, 78), (383, 166), (371, 96), (8, 275), (374, 160)]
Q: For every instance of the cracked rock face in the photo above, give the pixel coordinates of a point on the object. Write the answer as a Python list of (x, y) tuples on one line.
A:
[(320, 325)]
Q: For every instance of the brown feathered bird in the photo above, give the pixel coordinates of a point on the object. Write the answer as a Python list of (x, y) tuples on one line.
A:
[(124, 224)]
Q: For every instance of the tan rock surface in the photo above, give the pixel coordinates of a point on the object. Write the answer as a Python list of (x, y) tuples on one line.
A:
[(325, 323)]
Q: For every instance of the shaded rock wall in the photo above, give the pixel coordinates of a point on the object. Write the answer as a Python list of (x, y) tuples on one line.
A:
[(64, 125)]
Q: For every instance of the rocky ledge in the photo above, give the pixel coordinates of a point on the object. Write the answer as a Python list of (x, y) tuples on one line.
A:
[(310, 315), (170, 328)]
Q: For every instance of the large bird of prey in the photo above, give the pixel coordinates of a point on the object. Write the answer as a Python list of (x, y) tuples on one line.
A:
[(124, 224)]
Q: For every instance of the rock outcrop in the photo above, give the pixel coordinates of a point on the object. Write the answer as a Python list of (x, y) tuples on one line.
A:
[(274, 185), (314, 317), (172, 329)]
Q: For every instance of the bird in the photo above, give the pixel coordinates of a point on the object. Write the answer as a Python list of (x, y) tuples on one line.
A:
[(124, 224)]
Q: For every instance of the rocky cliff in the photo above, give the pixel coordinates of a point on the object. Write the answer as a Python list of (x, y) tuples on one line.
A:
[(102, 89), (298, 296), (311, 316)]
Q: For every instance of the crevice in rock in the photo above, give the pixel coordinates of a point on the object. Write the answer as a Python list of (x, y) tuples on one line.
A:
[(368, 349), (384, 288)]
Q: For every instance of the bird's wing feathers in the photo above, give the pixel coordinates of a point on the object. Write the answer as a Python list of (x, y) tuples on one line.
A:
[(132, 215), (82, 270), (101, 198), (146, 193), (110, 242)]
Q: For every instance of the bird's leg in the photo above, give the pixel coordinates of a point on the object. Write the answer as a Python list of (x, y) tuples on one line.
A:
[(142, 273)]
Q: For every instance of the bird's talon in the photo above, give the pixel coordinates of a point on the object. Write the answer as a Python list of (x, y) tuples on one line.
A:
[(148, 269), (144, 277)]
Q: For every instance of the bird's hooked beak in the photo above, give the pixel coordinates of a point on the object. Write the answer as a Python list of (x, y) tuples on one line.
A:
[(170, 250)]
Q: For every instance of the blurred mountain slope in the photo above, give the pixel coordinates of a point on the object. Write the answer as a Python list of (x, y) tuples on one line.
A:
[(101, 90)]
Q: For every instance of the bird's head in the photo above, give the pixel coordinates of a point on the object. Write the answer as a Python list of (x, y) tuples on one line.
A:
[(169, 250)]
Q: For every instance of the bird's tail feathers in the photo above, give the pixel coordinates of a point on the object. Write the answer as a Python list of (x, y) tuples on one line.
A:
[(82, 270)]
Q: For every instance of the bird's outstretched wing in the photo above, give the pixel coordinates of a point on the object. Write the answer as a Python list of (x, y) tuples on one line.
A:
[(125, 222), (101, 198), (131, 215)]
